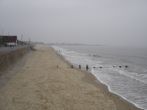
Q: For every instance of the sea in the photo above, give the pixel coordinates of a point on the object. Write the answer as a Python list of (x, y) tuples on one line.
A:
[(122, 69)]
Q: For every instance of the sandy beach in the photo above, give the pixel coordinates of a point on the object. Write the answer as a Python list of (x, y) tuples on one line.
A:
[(44, 81)]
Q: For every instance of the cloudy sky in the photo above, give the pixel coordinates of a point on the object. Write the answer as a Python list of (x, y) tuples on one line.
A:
[(110, 22)]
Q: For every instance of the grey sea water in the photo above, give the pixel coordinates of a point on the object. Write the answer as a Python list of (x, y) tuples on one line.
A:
[(123, 70)]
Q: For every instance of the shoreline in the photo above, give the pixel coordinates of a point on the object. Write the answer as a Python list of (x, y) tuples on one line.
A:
[(44, 80), (116, 97)]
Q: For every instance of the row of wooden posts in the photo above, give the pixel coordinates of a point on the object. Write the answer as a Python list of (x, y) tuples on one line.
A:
[(87, 67)]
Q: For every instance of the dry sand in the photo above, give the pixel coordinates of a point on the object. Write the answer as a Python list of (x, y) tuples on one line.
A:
[(42, 85)]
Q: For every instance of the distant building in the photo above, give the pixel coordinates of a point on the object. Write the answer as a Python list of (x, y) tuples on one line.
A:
[(6, 40)]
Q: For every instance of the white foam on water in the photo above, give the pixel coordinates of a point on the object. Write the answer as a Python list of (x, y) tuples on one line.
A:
[(106, 74), (132, 75), (76, 58), (113, 91)]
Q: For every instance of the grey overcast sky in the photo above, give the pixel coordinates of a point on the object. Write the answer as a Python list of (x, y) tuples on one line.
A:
[(110, 22)]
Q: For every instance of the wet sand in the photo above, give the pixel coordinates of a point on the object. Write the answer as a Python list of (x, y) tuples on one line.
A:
[(46, 82)]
